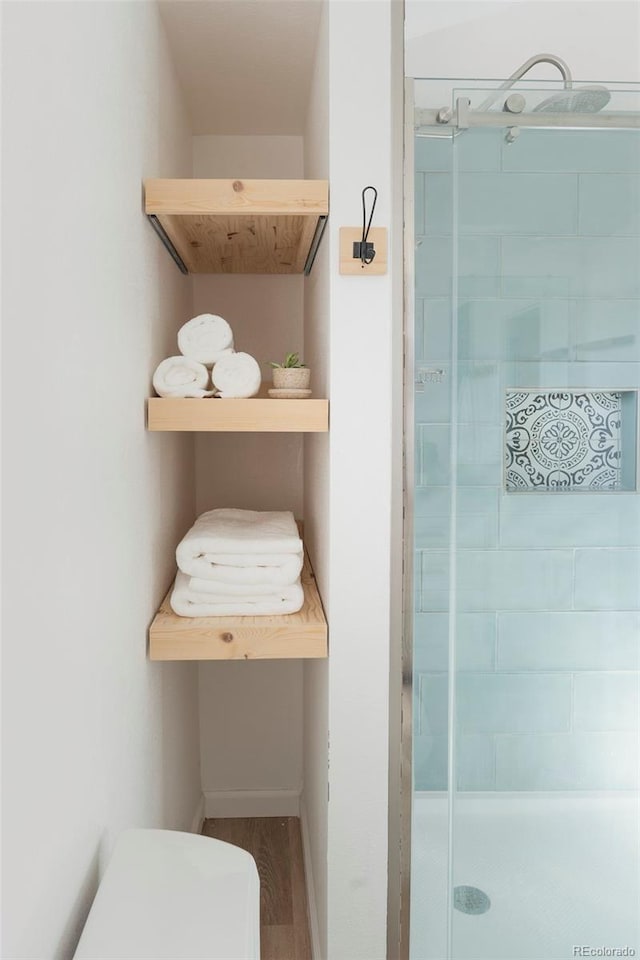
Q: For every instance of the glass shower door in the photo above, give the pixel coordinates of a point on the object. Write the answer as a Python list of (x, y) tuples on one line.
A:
[(527, 535)]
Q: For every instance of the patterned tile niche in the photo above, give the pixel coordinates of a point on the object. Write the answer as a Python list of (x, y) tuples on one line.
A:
[(570, 441)]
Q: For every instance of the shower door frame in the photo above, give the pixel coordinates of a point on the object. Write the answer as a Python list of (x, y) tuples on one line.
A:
[(461, 118), (408, 485)]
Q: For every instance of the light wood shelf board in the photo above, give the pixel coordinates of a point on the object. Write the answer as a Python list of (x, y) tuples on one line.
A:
[(301, 635), (238, 226), (257, 415), (251, 197)]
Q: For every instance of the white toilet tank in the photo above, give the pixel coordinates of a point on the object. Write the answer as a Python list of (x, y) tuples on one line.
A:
[(174, 896)]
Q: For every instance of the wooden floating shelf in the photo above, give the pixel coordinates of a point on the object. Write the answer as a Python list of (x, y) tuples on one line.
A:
[(301, 635), (239, 226), (258, 414)]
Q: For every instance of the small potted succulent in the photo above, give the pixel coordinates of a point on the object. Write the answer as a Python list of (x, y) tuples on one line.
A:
[(292, 374)]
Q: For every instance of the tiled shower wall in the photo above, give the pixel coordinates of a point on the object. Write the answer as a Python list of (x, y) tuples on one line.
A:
[(548, 584)]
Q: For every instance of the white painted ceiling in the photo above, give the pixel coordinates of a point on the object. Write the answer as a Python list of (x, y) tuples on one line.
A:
[(245, 65)]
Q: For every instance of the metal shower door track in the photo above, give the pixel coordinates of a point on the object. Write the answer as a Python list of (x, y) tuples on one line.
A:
[(463, 118)]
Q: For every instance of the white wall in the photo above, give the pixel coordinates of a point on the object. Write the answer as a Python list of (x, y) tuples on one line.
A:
[(95, 737), (363, 316), (251, 723), (251, 713), (353, 334), (257, 471), (599, 39)]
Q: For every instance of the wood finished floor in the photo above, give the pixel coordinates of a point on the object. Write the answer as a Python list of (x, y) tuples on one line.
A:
[(276, 845)]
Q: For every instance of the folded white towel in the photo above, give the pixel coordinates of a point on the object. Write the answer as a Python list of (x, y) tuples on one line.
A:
[(217, 591), (233, 531), (187, 604), (242, 546), (206, 338), (181, 377), (236, 375), (246, 569)]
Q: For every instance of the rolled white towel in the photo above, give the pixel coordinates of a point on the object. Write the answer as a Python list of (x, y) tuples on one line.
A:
[(187, 604), (236, 375), (206, 338), (181, 377)]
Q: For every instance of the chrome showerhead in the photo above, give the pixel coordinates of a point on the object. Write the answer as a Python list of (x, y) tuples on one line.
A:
[(576, 100)]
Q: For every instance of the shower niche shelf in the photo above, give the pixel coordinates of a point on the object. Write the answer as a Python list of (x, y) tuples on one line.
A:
[(257, 414), (301, 635), (239, 226)]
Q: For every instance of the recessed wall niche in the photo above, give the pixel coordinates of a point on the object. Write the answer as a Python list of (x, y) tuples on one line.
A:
[(578, 440)]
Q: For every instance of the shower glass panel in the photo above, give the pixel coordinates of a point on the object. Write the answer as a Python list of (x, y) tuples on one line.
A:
[(526, 526)]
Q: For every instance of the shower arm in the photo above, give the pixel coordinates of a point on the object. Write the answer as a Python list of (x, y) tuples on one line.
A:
[(520, 72)]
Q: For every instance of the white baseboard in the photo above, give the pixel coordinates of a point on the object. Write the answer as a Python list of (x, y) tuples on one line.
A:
[(198, 817), (314, 929), (252, 803)]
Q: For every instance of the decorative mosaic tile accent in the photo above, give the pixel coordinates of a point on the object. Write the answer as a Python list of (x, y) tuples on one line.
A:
[(563, 441)]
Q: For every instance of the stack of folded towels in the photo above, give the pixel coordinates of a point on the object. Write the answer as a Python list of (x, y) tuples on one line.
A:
[(206, 345), (239, 563)]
